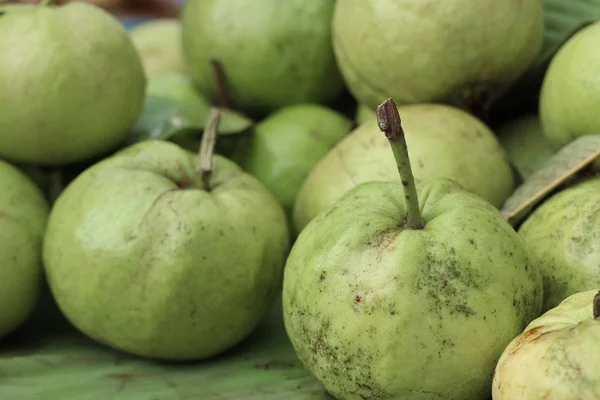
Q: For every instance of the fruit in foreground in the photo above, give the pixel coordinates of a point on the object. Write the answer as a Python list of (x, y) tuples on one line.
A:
[(525, 143), (158, 43), (556, 357), (273, 53), (466, 53), (288, 143), (443, 141), (571, 89), (72, 87), (414, 299), (23, 216), (563, 235), (147, 255)]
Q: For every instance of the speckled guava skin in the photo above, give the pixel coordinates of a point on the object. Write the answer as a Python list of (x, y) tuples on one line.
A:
[(287, 144), (139, 258), (158, 42), (23, 216), (72, 87), (376, 311), (275, 53), (563, 235), (443, 141), (555, 358), (417, 51), (571, 89)]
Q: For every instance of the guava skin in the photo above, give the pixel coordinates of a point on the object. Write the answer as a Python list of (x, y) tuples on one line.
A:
[(443, 141), (364, 114), (142, 260), (23, 216), (571, 89), (72, 88), (274, 53), (158, 43), (555, 358), (287, 144), (375, 311), (563, 235), (524, 141), (452, 51)]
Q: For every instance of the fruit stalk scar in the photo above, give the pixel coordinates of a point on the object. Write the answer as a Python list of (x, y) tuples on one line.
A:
[(597, 305), (390, 123), (207, 147)]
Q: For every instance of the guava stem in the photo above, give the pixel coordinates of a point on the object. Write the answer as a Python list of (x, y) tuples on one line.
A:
[(47, 3), (207, 147), (597, 305), (221, 80), (390, 123)]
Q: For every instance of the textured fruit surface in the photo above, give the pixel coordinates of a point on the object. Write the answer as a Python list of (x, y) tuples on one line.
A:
[(443, 141), (72, 88), (563, 235), (23, 216), (274, 53), (571, 89), (418, 51), (555, 358), (377, 311), (139, 258)]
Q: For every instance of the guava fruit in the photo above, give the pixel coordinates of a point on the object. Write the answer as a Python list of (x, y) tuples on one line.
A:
[(444, 142), (144, 254), (288, 143), (571, 89), (158, 42), (71, 83), (555, 358), (392, 296), (457, 51), (178, 87), (23, 216), (364, 114), (524, 141), (274, 53), (563, 235)]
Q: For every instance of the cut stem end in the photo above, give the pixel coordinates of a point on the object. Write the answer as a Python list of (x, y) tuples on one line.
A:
[(388, 119)]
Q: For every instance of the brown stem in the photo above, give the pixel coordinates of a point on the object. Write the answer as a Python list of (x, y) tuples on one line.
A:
[(207, 147), (221, 80), (390, 123), (597, 305)]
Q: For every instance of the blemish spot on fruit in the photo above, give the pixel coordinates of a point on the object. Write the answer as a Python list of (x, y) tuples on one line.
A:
[(322, 276), (357, 298)]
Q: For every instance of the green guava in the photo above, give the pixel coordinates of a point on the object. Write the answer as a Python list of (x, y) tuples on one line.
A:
[(274, 53), (414, 299), (364, 114), (525, 143), (444, 142), (143, 257), (571, 89), (556, 357), (23, 216), (158, 42), (71, 83), (457, 51), (563, 235), (286, 145)]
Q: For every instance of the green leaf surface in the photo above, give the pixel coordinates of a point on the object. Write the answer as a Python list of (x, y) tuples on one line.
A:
[(163, 118), (63, 364), (565, 164)]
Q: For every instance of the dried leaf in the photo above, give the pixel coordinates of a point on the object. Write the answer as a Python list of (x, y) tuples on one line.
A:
[(563, 165)]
